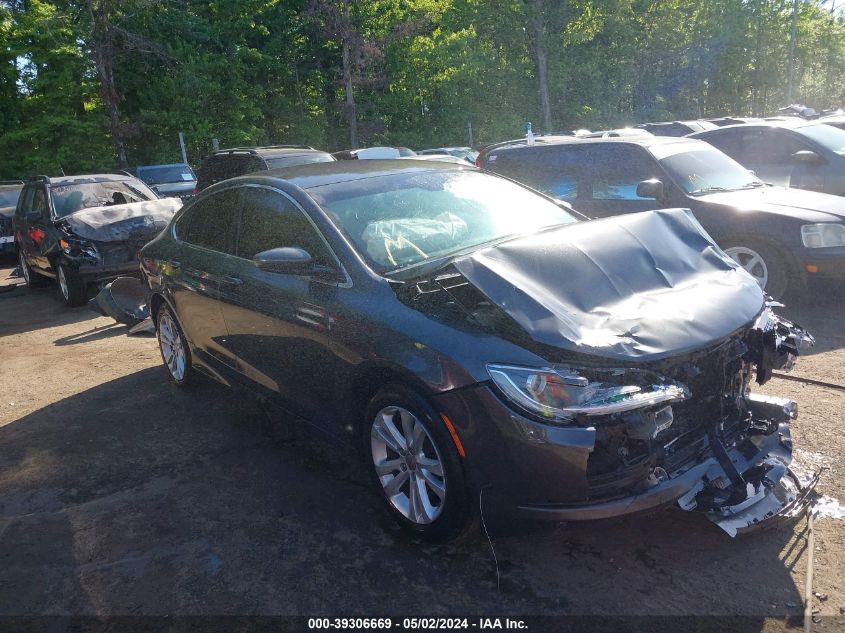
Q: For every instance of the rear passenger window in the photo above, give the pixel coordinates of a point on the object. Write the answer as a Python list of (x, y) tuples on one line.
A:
[(210, 223), (271, 220), (25, 203), (556, 171), (731, 142)]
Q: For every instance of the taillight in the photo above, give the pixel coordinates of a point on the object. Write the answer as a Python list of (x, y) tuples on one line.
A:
[(478, 159)]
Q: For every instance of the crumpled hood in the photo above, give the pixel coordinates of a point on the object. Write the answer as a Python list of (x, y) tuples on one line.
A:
[(636, 287), (123, 221), (810, 206)]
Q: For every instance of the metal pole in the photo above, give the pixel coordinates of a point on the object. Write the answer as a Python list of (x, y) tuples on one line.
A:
[(471, 141), (215, 145), (182, 145), (790, 73)]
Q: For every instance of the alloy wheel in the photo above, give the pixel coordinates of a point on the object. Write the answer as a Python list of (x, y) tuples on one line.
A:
[(752, 262), (408, 465), (172, 347), (24, 267), (63, 282)]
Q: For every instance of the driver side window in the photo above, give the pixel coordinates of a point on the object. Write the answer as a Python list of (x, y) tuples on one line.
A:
[(270, 220)]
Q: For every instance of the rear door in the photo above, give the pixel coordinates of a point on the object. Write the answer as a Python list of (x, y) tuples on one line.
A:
[(34, 228), (557, 171), (206, 237), (279, 323)]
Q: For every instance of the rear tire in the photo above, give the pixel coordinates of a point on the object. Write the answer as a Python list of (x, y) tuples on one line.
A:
[(415, 465), (174, 349), (762, 261), (72, 289), (32, 278)]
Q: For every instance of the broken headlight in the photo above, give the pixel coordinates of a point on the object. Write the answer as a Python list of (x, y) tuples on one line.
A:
[(561, 394), (823, 235), (76, 247)]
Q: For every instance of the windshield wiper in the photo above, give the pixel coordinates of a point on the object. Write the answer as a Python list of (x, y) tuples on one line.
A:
[(140, 193), (707, 190)]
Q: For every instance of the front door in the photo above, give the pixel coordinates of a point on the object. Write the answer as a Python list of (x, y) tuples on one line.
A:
[(612, 173), (279, 324)]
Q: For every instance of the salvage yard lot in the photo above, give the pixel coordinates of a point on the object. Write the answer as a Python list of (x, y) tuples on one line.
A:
[(120, 494)]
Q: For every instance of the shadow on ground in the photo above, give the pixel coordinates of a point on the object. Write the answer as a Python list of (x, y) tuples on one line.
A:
[(42, 309), (137, 498)]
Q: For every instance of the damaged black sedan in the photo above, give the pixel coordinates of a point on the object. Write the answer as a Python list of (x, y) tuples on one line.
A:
[(471, 335)]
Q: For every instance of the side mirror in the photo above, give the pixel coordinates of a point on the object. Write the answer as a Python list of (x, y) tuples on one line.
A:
[(807, 157), (652, 188), (289, 260)]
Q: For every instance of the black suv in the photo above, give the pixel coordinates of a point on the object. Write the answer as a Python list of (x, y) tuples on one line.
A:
[(229, 163), (781, 236), (85, 229), (10, 191)]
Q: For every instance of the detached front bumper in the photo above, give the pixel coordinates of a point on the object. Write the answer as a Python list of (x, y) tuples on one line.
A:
[(541, 470)]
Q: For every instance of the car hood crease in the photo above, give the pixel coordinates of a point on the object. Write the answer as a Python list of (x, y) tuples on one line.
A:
[(637, 287)]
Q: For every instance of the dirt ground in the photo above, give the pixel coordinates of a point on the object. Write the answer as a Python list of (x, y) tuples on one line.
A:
[(121, 495)]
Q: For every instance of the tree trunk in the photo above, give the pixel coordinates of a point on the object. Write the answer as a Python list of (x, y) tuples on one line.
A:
[(538, 34), (103, 49), (351, 113)]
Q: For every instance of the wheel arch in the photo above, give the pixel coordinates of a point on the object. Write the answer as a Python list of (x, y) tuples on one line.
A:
[(793, 268), (367, 381)]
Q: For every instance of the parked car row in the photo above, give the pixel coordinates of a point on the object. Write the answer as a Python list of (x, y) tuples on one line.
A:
[(475, 333)]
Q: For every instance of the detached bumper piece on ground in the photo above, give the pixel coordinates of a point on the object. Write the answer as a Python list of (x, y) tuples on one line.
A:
[(123, 300)]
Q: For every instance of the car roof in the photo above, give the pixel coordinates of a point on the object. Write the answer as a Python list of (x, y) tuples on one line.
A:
[(790, 123), (163, 165), (319, 174), (269, 150), (644, 141), (81, 179)]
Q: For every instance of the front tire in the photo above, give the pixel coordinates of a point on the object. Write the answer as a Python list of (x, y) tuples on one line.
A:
[(174, 348), (72, 288), (762, 261), (415, 464)]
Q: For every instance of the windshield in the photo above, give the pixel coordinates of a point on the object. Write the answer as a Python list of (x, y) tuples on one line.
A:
[(298, 159), (399, 220), (68, 199), (9, 196), (166, 173), (707, 170), (829, 137)]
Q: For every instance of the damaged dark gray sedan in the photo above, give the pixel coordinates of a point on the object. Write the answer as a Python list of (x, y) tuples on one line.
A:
[(471, 335)]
